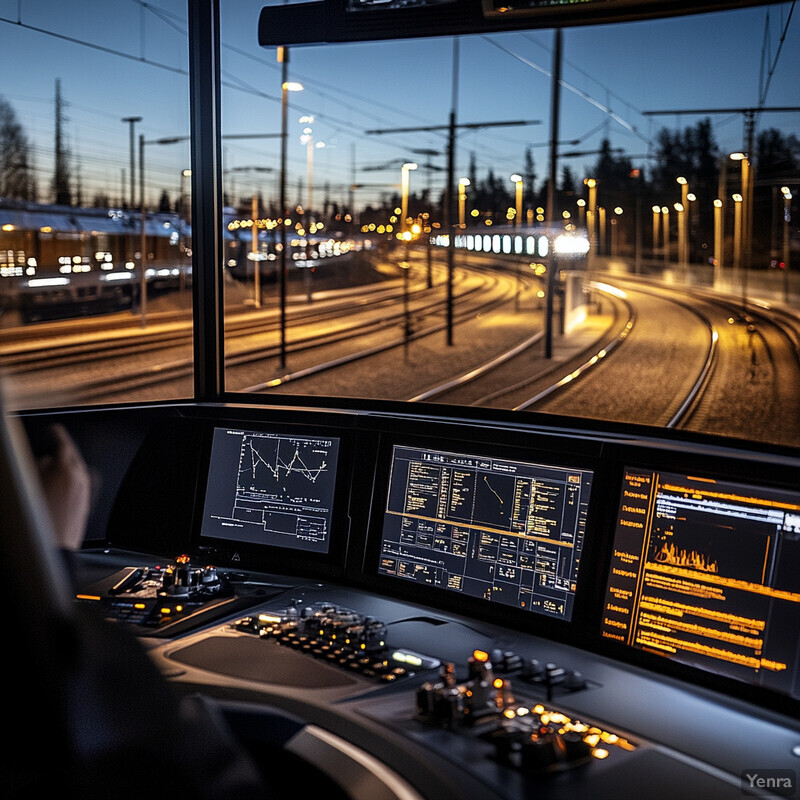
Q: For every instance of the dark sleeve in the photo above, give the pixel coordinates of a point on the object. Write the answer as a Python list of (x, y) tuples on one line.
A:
[(130, 732)]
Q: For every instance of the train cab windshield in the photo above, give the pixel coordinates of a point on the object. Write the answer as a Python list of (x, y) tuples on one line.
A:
[(433, 370), (477, 220)]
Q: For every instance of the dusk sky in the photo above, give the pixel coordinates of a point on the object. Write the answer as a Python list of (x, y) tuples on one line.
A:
[(129, 58)]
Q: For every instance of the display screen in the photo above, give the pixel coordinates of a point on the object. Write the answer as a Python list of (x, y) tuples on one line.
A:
[(505, 531), (270, 489), (707, 572)]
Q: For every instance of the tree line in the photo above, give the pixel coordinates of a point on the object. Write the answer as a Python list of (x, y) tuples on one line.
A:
[(632, 184)]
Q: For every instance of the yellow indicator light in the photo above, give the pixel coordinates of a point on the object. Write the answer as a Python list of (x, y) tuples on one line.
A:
[(268, 618), (580, 727), (592, 739), (600, 752), (545, 719), (538, 709), (480, 655), (625, 744), (509, 713), (87, 597), (559, 718), (166, 611), (498, 683), (139, 606), (179, 609), (610, 738), (406, 658)]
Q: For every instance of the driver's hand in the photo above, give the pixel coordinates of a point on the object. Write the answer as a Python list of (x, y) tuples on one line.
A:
[(66, 484)]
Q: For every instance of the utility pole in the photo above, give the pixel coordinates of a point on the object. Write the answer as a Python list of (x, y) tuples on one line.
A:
[(132, 123), (61, 190), (551, 191), (451, 128)]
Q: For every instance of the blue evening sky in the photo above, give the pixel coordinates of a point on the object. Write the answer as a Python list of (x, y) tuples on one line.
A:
[(121, 58)]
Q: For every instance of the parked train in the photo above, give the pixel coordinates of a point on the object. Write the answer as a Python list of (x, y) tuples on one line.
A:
[(62, 261), (58, 261)]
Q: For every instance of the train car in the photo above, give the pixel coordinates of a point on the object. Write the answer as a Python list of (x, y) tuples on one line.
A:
[(385, 600), (63, 261)]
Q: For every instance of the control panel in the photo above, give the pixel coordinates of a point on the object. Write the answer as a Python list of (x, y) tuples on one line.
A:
[(156, 596), (339, 636), (536, 739), (475, 701)]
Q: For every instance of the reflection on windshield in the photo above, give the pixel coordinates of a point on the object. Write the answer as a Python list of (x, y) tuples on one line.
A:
[(598, 223)]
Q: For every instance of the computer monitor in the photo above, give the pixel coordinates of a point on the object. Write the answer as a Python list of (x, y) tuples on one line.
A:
[(270, 488), (486, 527), (706, 572)]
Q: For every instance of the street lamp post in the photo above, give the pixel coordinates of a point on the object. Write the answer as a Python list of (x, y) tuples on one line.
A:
[(142, 239), (746, 209), (615, 231), (682, 225), (143, 215), (719, 241), (462, 201), (255, 254), (737, 236), (286, 87), (132, 122), (590, 217), (405, 266), (184, 221), (681, 211), (656, 225), (665, 221), (517, 180), (307, 138), (601, 229), (404, 184), (787, 218)]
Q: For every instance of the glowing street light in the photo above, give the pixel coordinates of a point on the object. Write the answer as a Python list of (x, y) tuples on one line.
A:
[(737, 232), (656, 225), (615, 232), (601, 229), (746, 195), (462, 199), (683, 250), (718, 240), (517, 180), (404, 183), (665, 220), (680, 209), (591, 183), (787, 218)]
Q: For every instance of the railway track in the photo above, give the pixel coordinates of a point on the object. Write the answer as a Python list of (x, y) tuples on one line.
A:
[(743, 357), (342, 318)]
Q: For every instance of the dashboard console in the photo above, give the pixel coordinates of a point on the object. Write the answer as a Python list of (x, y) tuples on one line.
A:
[(494, 609)]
